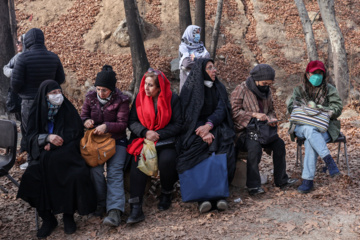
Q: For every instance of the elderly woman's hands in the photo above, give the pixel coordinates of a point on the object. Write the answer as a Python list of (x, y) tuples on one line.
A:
[(208, 138), (101, 129), (89, 123), (203, 130), (152, 135), (55, 139)]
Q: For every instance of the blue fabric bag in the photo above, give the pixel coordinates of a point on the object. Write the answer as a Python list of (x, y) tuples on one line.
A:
[(207, 180)]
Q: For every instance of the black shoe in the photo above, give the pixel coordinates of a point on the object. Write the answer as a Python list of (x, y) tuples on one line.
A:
[(289, 182), (100, 211), (49, 224), (165, 202), (69, 223), (136, 213), (256, 191)]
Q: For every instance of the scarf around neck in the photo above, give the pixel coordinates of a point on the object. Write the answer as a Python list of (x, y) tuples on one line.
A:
[(146, 111), (250, 83)]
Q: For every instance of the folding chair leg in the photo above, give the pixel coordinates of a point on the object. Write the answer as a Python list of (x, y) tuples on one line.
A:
[(36, 220), (297, 156), (338, 153), (301, 159), (3, 189), (346, 159), (13, 180)]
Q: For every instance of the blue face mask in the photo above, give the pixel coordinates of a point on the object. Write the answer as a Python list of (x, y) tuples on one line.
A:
[(316, 79), (197, 37)]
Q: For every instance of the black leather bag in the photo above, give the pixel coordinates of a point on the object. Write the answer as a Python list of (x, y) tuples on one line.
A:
[(166, 142), (13, 102), (261, 131)]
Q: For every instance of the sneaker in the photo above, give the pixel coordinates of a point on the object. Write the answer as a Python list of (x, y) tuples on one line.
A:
[(24, 166), (113, 219), (205, 207), (256, 191), (289, 182), (222, 205)]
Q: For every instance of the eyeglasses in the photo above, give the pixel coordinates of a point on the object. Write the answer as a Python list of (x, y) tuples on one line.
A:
[(212, 68), (156, 72)]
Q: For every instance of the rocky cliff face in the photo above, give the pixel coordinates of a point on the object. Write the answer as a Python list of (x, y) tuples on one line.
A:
[(81, 32)]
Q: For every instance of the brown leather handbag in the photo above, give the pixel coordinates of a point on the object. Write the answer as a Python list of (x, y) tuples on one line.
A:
[(97, 149)]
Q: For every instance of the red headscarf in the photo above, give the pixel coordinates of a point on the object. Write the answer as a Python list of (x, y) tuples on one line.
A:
[(146, 111)]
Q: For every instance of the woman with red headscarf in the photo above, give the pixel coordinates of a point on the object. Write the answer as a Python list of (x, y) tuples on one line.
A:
[(156, 116)]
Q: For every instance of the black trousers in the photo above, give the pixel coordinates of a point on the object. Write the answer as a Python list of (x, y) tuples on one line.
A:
[(25, 112), (254, 150), (168, 174)]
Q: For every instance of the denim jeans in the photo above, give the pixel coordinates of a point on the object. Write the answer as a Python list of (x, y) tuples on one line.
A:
[(315, 145), (111, 192)]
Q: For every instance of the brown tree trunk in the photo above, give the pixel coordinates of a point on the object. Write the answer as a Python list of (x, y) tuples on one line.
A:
[(200, 17), (215, 34), (308, 31), (184, 15), (13, 21), (341, 69), (7, 51), (140, 62)]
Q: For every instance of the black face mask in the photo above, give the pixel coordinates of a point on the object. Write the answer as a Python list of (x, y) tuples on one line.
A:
[(263, 89)]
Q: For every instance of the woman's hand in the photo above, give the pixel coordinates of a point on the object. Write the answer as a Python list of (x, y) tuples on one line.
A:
[(47, 147), (203, 130), (56, 140), (152, 135), (208, 138), (260, 116), (89, 123), (275, 122), (101, 129)]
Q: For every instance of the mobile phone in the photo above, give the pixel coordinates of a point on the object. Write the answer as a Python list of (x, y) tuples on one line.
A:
[(271, 122)]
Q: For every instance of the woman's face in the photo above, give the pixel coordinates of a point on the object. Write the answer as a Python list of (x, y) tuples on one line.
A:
[(103, 92), (264, 83), (211, 70), (19, 45), (53, 92), (309, 74), (151, 89)]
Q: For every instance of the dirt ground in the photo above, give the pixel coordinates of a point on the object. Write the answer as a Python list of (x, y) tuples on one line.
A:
[(72, 30), (331, 211)]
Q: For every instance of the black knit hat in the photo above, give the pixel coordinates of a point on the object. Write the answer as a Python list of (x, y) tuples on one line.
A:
[(262, 72), (106, 78)]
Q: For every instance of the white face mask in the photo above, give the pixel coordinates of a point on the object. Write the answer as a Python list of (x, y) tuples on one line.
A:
[(56, 99), (209, 84)]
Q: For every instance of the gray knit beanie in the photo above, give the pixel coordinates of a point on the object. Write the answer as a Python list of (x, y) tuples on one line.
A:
[(262, 72)]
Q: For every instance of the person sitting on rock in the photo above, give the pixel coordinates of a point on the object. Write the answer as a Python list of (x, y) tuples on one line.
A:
[(252, 99)]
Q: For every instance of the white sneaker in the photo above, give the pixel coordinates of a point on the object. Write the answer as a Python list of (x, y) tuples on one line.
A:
[(24, 166)]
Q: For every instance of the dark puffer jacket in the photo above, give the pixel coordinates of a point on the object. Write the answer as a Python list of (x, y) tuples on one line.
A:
[(114, 113), (35, 65)]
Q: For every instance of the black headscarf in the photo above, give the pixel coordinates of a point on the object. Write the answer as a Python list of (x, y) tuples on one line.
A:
[(67, 124), (192, 97)]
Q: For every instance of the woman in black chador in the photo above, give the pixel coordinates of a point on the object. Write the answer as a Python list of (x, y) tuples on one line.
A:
[(208, 124), (57, 179)]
